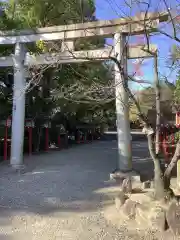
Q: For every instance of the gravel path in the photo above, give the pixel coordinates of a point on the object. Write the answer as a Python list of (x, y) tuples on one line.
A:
[(61, 196)]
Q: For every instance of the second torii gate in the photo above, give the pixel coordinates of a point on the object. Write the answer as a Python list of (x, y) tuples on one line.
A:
[(119, 28)]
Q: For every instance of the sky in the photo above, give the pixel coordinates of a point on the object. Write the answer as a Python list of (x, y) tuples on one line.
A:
[(110, 9)]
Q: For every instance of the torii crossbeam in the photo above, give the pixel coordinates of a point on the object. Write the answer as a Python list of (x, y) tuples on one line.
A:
[(67, 56)]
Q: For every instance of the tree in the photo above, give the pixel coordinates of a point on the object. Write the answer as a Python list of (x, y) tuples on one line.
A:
[(175, 57), (147, 100)]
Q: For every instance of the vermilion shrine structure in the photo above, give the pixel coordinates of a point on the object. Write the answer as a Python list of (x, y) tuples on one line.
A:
[(118, 28)]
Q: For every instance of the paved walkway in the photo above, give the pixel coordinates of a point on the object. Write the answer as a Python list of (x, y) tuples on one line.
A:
[(62, 195)]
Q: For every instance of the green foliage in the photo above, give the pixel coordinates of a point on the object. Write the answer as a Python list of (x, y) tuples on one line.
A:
[(175, 56), (41, 13), (147, 102), (40, 102), (177, 136), (177, 92)]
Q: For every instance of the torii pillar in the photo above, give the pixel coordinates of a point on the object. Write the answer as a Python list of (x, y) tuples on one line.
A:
[(18, 112), (122, 105)]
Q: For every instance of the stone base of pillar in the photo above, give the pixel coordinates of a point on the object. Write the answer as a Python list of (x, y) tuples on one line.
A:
[(18, 168), (117, 174), (126, 180)]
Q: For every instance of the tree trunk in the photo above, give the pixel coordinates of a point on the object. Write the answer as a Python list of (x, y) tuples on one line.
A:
[(158, 175), (167, 174), (158, 108)]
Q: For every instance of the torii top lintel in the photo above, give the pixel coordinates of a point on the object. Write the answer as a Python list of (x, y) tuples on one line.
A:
[(131, 26)]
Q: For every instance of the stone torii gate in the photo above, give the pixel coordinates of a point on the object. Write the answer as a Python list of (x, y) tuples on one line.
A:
[(119, 28)]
